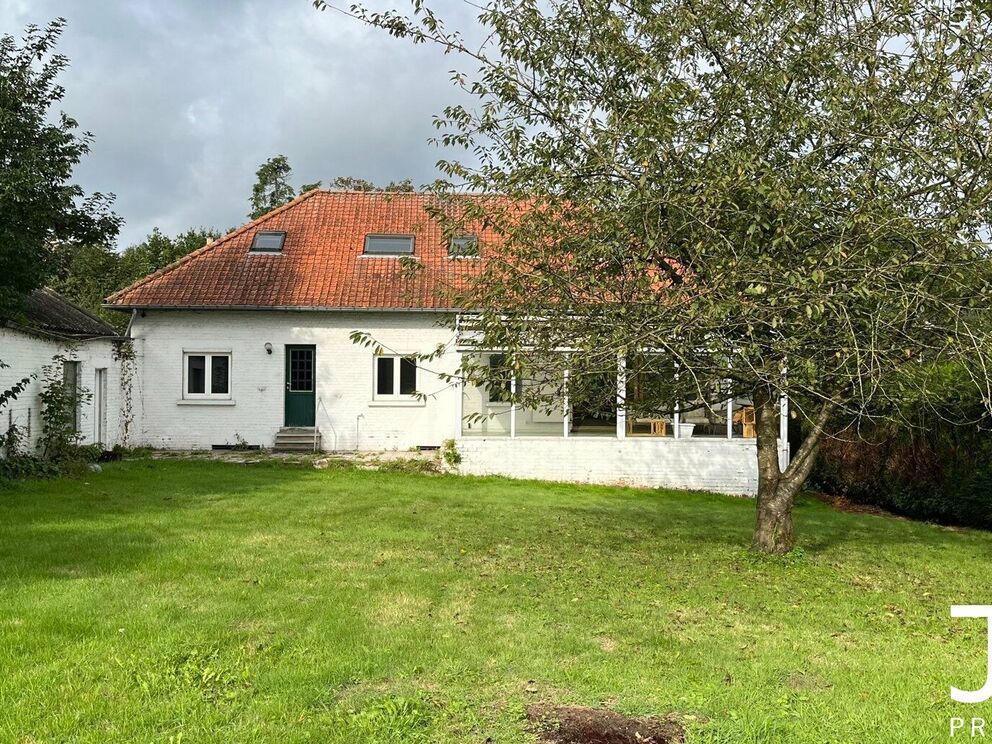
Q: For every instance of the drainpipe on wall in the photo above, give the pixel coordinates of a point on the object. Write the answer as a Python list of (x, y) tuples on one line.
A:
[(127, 332)]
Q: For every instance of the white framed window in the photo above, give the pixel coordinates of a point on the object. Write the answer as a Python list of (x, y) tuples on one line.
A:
[(394, 377), (206, 375)]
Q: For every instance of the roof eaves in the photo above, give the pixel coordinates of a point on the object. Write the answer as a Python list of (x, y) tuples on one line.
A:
[(56, 334)]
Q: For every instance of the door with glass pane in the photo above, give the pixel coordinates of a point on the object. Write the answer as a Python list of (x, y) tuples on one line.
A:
[(301, 385)]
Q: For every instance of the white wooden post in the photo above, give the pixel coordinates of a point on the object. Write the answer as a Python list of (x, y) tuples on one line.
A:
[(730, 418), (460, 406), (513, 406), (566, 411), (677, 423), (621, 397)]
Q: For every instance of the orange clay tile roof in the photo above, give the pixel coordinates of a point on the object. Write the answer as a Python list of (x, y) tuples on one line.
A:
[(321, 264)]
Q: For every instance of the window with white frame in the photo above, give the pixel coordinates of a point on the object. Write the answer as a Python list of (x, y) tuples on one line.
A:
[(395, 377), (206, 375)]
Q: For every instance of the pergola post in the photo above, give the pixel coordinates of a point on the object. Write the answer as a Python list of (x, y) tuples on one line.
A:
[(460, 405), (566, 412), (513, 406), (621, 397)]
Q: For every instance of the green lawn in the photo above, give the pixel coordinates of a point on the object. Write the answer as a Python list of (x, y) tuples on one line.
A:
[(213, 602)]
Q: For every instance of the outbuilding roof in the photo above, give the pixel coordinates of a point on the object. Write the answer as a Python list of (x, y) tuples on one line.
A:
[(47, 312)]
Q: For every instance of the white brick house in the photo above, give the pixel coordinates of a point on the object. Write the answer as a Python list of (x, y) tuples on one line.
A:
[(248, 340), (82, 349)]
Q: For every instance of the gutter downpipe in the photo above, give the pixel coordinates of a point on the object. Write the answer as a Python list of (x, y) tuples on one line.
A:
[(134, 314)]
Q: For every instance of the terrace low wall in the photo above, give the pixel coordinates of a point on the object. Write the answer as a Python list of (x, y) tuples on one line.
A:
[(721, 465)]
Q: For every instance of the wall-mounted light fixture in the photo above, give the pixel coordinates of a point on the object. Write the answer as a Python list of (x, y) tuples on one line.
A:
[(268, 348)]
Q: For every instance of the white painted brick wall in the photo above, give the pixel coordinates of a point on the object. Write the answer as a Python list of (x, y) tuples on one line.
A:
[(720, 465), (27, 354), (350, 419), (347, 415)]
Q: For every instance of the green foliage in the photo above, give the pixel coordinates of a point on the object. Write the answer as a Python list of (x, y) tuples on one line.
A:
[(60, 453), (23, 466), (450, 454), (12, 441), (918, 461), (16, 464), (940, 474), (389, 719), (88, 274), (736, 189), (14, 390), (40, 207), (351, 183), (61, 400), (124, 355), (412, 465), (159, 250), (122, 451), (272, 188)]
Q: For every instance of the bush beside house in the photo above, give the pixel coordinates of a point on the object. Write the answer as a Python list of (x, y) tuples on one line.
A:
[(940, 474)]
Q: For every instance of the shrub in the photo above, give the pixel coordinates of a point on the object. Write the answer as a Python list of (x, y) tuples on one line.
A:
[(61, 400), (941, 474), (449, 452)]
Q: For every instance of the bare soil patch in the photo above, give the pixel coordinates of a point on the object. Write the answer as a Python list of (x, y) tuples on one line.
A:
[(576, 725)]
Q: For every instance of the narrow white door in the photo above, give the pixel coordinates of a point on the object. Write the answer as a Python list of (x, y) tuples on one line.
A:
[(100, 407)]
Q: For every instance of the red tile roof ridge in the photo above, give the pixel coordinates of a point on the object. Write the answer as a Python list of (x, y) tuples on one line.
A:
[(215, 243)]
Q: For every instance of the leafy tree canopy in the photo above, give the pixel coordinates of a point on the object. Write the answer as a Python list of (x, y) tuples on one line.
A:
[(272, 188), (87, 274), (742, 199), (351, 183), (39, 148), (159, 250)]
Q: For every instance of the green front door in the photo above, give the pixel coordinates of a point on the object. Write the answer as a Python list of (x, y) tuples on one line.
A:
[(300, 385)]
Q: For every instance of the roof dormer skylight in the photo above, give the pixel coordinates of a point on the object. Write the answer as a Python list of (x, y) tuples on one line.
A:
[(388, 245), (268, 241)]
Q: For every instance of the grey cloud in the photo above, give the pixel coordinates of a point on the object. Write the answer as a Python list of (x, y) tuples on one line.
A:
[(185, 98)]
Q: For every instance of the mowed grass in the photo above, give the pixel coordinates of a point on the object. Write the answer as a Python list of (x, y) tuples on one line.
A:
[(196, 601)]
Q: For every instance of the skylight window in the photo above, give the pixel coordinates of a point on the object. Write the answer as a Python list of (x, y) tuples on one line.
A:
[(268, 241), (389, 245), (464, 246)]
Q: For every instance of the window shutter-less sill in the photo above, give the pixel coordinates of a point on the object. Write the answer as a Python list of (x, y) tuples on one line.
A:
[(400, 403), (204, 402)]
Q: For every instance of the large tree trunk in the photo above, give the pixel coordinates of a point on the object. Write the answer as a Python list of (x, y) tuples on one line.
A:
[(773, 529)]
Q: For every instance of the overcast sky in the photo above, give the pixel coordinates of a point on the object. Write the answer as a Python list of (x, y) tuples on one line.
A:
[(185, 98)]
